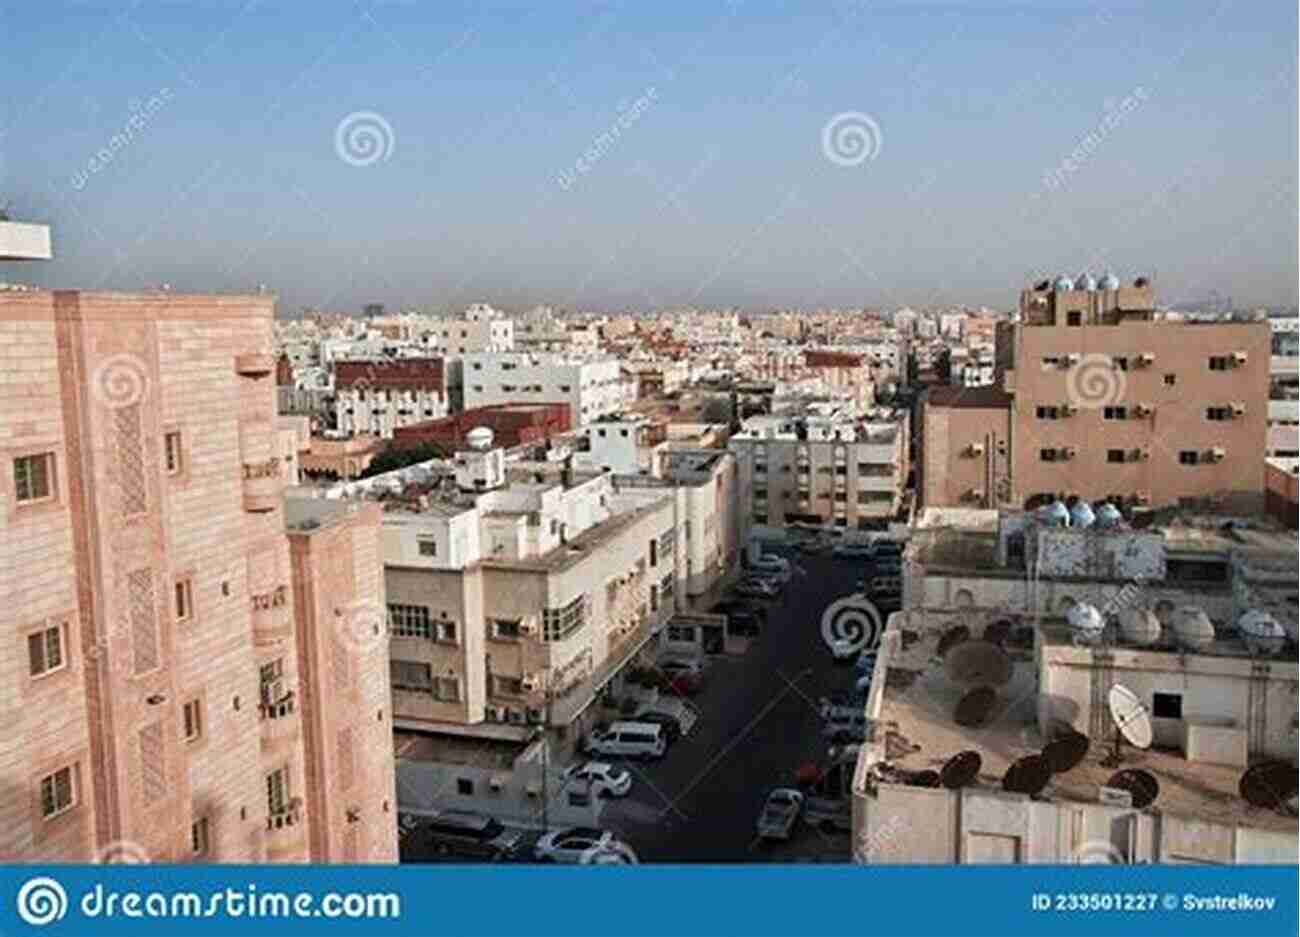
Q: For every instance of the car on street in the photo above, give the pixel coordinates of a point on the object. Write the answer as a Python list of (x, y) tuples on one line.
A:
[(683, 677), (572, 844), (851, 551), (757, 588), (769, 564), (466, 834), (605, 780), (632, 739), (742, 621), (844, 727), (780, 813), (670, 724)]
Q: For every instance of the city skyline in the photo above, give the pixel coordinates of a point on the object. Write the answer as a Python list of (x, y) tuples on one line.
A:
[(637, 159)]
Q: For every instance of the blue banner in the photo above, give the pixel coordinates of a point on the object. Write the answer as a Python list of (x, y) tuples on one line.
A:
[(462, 901)]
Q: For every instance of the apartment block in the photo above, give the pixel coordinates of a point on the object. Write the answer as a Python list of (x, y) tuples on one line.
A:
[(592, 387), (151, 693), (481, 329), (377, 397)]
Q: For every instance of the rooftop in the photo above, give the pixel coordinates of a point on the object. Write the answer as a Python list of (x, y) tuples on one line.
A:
[(303, 512), (477, 751), (968, 398)]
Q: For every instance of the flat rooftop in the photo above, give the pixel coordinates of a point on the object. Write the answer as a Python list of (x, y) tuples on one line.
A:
[(303, 512), (476, 752), (917, 713)]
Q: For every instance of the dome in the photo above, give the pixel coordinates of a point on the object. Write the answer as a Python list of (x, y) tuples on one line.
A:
[(1086, 622), (1192, 627), (1081, 515), (1108, 515), (1109, 282), (1063, 284), (1139, 626), (1085, 281), (1055, 514), (1262, 632), (480, 437)]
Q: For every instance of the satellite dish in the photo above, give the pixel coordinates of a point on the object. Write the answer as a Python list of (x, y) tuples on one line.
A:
[(1269, 784), (960, 769), (1264, 636), (978, 663), (1067, 752), (926, 778), (1130, 716), (951, 638), (1141, 785), (1086, 623), (997, 632), (1027, 776), (974, 709), (1192, 627), (1139, 626)]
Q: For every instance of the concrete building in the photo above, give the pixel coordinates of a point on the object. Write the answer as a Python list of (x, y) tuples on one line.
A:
[(592, 387), (1218, 701), (332, 455), (511, 424), (481, 329), (376, 397), (154, 696)]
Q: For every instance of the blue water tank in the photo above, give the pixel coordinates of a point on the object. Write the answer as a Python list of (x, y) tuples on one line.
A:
[(1085, 281), (1063, 284), (1109, 282), (1108, 515), (1055, 514), (1081, 515)]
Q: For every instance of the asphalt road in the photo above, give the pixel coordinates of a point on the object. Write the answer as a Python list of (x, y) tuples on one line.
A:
[(758, 724)]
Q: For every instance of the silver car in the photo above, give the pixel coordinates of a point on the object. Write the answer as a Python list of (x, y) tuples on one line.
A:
[(780, 813)]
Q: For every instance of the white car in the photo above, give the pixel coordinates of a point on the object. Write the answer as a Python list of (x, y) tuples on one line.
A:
[(604, 778), (577, 844), (852, 551), (780, 813)]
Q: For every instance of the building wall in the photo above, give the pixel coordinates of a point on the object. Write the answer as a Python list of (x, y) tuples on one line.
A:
[(951, 472), (592, 388), (511, 426)]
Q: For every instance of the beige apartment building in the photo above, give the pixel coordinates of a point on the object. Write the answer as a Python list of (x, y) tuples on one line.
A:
[(165, 695), (1106, 399)]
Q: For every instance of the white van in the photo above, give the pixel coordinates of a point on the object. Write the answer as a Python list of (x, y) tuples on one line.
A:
[(631, 740)]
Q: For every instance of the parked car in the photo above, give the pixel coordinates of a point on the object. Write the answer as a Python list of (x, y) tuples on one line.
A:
[(758, 588), (683, 677), (851, 551), (846, 727), (743, 622), (780, 813), (841, 704), (605, 779), (630, 739), (671, 726), (468, 834), (769, 564), (572, 844)]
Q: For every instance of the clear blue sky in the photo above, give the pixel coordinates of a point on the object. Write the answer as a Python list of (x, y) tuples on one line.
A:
[(715, 189)]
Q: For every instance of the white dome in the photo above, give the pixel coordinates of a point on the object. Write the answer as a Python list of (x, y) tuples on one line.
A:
[(480, 437), (1081, 514), (1055, 514), (1192, 627), (1086, 622), (1063, 284), (1109, 282), (1085, 281), (1139, 626), (1108, 515)]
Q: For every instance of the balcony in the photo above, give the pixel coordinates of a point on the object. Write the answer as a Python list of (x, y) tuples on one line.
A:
[(254, 364), (270, 613), (261, 468), (280, 725), (286, 833)]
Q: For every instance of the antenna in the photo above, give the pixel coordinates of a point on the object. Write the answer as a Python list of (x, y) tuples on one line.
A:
[(1141, 785), (1132, 722), (960, 770)]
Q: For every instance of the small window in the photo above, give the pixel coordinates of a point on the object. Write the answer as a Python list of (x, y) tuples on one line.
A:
[(1189, 457), (193, 720), (172, 452), (184, 600), (58, 793), (505, 628), (1167, 705), (446, 631), (1220, 362), (428, 547), (1114, 413), (200, 843), (1171, 380), (1074, 318), (1218, 413), (45, 651), (1115, 455), (465, 787), (34, 477), (1047, 455), (1047, 413), (1119, 363)]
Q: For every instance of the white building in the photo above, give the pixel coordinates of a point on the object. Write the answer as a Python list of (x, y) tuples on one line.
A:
[(592, 387), (481, 329), (375, 397)]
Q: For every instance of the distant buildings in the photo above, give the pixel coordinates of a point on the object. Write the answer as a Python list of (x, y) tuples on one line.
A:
[(591, 387), (377, 397)]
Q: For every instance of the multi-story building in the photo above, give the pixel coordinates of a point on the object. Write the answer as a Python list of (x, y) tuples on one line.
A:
[(511, 424), (1107, 399), (158, 699), (482, 329), (376, 397), (592, 387), (836, 472)]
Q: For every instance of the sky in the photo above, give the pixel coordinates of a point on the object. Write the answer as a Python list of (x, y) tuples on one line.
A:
[(639, 156)]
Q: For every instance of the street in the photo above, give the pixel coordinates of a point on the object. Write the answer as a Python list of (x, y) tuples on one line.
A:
[(758, 724)]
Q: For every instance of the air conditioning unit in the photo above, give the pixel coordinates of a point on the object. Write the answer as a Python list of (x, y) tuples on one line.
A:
[(975, 449), (534, 716), (528, 628), (1146, 359), (1069, 452), (1140, 455), (515, 716), (1141, 497), (496, 782), (1239, 357), (1218, 453), (1238, 408), (1069, 409), (1071, 359), (1143, 409), (274, 692), (531, 682), (1114, 796), (975, 494)]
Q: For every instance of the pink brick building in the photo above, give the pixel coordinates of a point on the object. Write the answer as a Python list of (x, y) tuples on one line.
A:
[(162, 692)]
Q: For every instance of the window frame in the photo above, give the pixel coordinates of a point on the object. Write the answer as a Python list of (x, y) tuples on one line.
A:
[(51, 478), (43, 635), (72, 790)]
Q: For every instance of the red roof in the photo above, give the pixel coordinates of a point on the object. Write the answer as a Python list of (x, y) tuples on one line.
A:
[(399, 373)]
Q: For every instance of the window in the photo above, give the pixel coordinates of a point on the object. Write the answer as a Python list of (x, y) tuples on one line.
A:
[(270, 677), (427, 547), (1218, 413), (1114, 413), (478, 388), (1171, 380), (507, 686), (447, 689), (505, 629), (34, 477), (1074, 318), (1115, 455), (1167, 705), (446, 631), (1047, 455), (200, 843), (1220, 362), (409, 621), (58, 793), (172, 452), (412, 675), (465, 786), (1051, 361), (193, 720), (559, 623), (654, 552), (1189, 457), (277, 791), (184, 600), (45, 651), (1119, 363), (1048, 413)]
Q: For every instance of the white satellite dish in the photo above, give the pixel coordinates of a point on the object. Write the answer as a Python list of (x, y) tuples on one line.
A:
[(1132, 721), (1139, 626), (1192, 627)]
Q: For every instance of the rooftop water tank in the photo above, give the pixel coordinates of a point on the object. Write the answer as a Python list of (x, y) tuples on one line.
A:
[(1085, 281), (1263, 635), (1081, 515), (1139, 626), (1108, 515), (1086, 623), (1192, 627), (480, 437), (1055, 514), (1109, 282), (1063, 284)]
